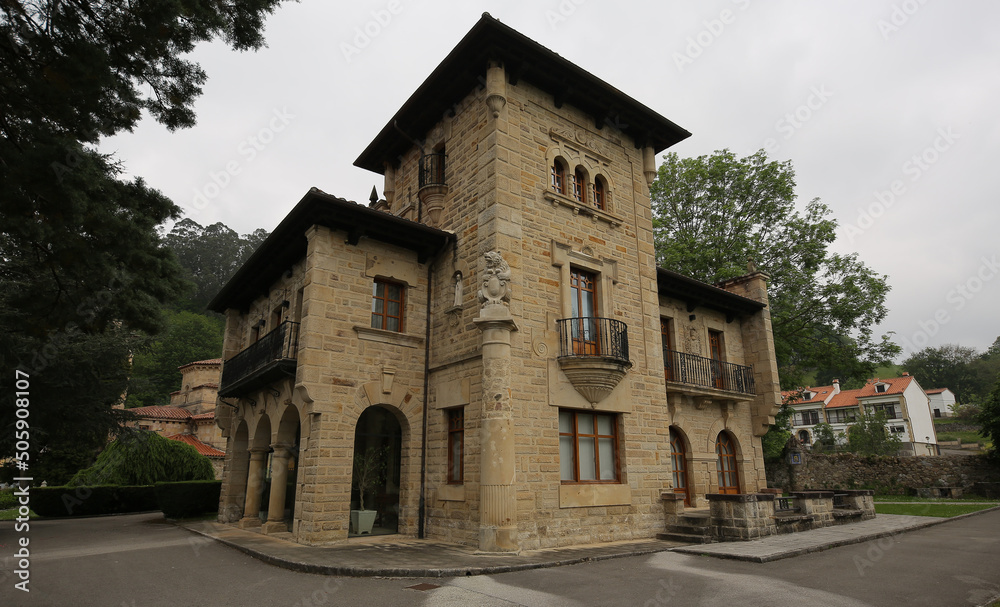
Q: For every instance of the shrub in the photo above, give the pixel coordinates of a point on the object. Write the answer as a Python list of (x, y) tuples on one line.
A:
[(7, 499), (144, 458), (89, 501), (184, 499)]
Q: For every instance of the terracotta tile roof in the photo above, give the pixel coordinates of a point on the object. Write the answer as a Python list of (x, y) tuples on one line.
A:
[(203, 416), (846, 398), (935, 390), (162, 412), (210, 386), (820, 393), (896, 386), (849, 398), (207, 450)]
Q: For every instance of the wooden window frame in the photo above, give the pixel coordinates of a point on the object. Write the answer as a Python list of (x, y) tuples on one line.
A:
[(678, 451), (716, 352), (581, 282), (456, 433), (598, 193), (558, 179), (576, 435), (667, 342), (384, 298), (725, 442), (579, 192)]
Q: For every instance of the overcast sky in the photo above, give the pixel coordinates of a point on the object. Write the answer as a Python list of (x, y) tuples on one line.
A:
[(887, 108)]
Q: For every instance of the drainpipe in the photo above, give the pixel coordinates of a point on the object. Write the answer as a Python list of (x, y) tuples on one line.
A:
[(422, 509), (421, 512)]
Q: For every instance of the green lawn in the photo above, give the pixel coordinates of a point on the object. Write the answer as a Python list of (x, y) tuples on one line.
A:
[(928, 509), (966, 436), (913, 498), (9, 515)]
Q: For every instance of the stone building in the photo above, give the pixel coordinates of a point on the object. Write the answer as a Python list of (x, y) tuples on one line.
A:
[(190, 417), (494, 331)]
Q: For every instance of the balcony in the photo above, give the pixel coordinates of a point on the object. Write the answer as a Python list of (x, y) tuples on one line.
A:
[(433, 188), (593, 353), (267, 360), (684, 370)]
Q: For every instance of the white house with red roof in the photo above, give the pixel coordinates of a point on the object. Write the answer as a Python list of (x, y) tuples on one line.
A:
[(190, 418), (941, 402), (904, 402)]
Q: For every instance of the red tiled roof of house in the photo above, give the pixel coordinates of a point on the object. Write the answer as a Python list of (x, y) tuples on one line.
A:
[(846, 398), (203, 416), (935, 390), (207, 450), (819, 394), (849, 398), (210, 386), (162, 412)]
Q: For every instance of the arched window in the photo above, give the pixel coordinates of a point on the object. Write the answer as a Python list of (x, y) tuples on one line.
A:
[(804, 437), (558, 176), (725, 449), (678, 464), (579, 184), (598, 192)]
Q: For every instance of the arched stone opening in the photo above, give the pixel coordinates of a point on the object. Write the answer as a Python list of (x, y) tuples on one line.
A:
[(680, 455), (376, 475)]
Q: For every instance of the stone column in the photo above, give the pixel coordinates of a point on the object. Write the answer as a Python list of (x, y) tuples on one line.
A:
[(255, 482), (497, 499), (279, 480)]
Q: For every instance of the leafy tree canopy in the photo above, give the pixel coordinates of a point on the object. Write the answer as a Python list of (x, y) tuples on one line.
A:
[(210, 255), (869, 436), (82, 266), (714, 213), (965, 371), (140, 457), (989, 418), (189, 337)]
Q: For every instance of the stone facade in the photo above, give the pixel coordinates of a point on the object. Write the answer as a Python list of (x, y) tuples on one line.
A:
[(531, 342)]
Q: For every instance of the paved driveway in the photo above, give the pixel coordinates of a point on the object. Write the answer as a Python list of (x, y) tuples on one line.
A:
[(138, 560)]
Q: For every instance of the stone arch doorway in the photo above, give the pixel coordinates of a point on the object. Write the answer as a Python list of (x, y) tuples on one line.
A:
[(679, 465), (725, 450), (283, 472), (378, 441)]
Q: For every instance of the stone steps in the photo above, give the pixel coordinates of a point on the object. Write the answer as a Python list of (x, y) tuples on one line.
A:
[(690, 528)]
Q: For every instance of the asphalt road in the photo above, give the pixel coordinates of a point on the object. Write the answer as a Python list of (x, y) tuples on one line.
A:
[(139, 561)]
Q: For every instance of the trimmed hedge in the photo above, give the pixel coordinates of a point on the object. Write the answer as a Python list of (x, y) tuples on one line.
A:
[(188, 498), (89, 501), (7, 499)]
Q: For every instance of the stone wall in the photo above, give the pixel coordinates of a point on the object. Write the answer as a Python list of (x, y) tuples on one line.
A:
[(885, 474)]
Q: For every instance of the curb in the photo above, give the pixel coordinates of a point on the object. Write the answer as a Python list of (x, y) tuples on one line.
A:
[(416, 572), (835, 544)]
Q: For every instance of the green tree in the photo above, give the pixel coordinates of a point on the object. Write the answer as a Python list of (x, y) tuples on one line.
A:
[(951, 366), (823, 437), (82, 267), (140, 457), (210, 256), (714, 213), (869, 436), (773, 442), (989, 418), (189, 337)]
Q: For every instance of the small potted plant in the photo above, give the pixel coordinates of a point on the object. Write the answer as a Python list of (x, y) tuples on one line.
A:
[(368, 475)]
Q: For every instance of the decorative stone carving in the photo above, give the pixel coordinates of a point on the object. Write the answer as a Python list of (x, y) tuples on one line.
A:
[(496, 89), (495, 290)]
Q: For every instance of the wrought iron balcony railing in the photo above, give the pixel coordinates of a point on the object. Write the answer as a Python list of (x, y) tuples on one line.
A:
[(593, 336), (432, 169), (267, 359), (694, 370)]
